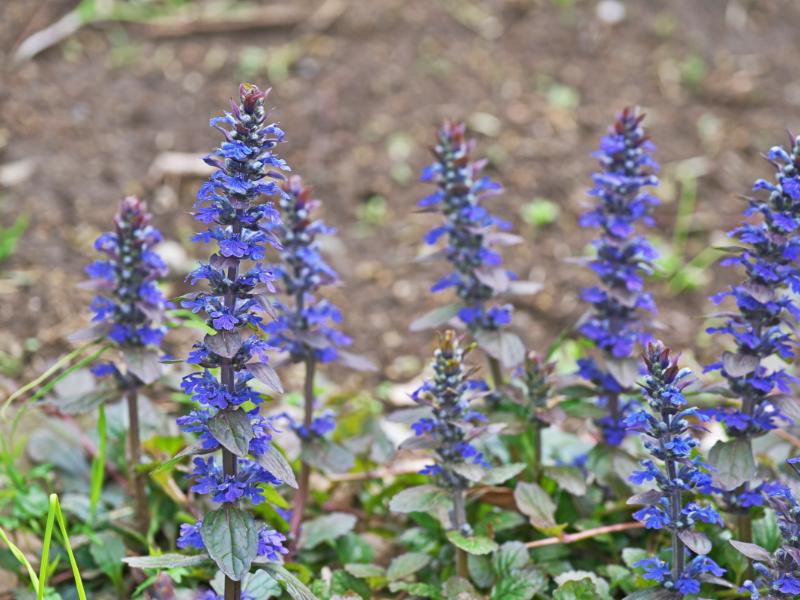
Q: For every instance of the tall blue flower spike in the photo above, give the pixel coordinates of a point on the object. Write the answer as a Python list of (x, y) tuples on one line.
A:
[(622, 261), (472, 235), (307, 325), (761, 330), (129, 307), (665, 430), (778, 573), (241, 224)]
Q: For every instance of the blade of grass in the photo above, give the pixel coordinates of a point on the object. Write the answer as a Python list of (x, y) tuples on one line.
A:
[(44, 376), (54, 514), (98, 464), (20, 556)]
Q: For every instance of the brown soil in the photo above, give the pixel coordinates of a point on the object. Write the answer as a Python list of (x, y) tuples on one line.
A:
[(359, 98)]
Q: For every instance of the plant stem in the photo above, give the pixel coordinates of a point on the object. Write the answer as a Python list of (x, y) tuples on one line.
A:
[(535, 438), (303, 489), (675, 501), (496, 371), (136, 476), (459, 520), (233, 589)]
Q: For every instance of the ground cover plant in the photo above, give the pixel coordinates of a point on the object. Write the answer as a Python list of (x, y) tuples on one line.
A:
[(592, 465)]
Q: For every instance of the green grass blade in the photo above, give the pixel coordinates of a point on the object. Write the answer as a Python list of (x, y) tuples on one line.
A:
[(98, 464), (20, 556)]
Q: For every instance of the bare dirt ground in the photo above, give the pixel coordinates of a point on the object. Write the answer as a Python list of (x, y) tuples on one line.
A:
[(359, 92)]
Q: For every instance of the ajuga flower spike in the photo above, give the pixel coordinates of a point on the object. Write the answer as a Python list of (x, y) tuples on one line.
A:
[(761, 329), (241, 224), (305, 328), (666, 432), (472, 238), (623, 259), (129, 311)]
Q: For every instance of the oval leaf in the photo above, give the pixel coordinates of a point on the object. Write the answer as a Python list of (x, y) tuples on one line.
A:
[(225, 343), (734, 463), (266, 375), (420, 498), (407, 564), (696, 541), (231, 538), (435, 318), (739, 365), (477, 544), (143, 363), (535, 504), (165, 561), (233, 430), (274, 462), (752, 551)]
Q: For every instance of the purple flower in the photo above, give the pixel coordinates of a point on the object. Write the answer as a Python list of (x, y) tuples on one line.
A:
[(130, 301), (238, 221), (767, 251), (469, 229)]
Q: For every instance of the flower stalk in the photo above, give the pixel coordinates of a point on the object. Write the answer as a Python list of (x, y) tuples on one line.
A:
[(129, 311)]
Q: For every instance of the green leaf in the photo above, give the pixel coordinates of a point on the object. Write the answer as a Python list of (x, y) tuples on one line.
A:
[(520, 585), (326, 529), (364, 571), (165, 561), (512, 556), (107, 551), (570, 479), (598, 585), (582, 589), (653, 593), (233, 430), (231, 538), (633, 555), (501, 474), (435, 318), (421, 498), (733, 462), (294, 587), (274, 462), (407, 564), (477, 544), (535, 504), (261, 585), (327, 456), (422, 590)]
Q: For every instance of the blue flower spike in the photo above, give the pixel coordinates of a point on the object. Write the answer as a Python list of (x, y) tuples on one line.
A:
[(622, 261), (676, 473)]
